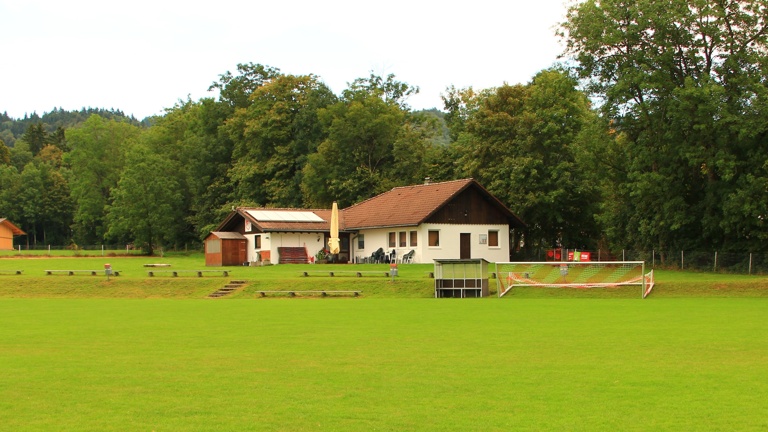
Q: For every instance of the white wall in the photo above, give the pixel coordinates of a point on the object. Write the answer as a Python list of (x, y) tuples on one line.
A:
[(449, 242), (271, 241), (374, 239), (379, 238), (250, 252)]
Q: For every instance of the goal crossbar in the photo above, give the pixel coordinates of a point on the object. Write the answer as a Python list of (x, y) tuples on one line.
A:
[(573, 274)]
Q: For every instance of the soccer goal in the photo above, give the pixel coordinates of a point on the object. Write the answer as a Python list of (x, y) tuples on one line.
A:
[(573, 274)]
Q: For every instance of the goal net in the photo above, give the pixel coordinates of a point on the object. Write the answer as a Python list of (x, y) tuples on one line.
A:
[(573, 274)]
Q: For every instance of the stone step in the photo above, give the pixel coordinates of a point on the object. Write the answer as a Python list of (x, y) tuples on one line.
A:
[(228, 288)]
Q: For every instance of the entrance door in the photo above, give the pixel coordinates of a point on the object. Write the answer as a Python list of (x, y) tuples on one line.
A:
[(242, 252), (465, 248), (344, 252)]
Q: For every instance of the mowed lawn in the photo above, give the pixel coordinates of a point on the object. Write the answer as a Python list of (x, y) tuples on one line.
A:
[(386, 364)]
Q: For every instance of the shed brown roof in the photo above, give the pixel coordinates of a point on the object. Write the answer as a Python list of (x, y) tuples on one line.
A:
[(228, 235), (14, 229)]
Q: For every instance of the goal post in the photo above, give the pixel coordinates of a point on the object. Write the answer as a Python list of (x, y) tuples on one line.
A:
[(573, 274)]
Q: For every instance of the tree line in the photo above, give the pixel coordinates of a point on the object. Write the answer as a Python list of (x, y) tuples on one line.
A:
[(651, 135)]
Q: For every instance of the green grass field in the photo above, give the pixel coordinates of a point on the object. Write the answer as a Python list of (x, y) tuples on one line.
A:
[(137, 353)]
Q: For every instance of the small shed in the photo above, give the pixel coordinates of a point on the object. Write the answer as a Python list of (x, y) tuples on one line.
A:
[(223, 248), (461, 278), (7, 231)]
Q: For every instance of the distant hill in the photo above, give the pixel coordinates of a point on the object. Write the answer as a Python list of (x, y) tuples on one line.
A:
[(11, 129), (444, 138)]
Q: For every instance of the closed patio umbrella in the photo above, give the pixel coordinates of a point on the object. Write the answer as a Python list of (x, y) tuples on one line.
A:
[(333, 242)]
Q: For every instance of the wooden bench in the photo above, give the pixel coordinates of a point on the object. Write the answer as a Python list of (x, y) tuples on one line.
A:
[(13, 272), (74, 272), (157, 265), (322, 293), (175, 273), (344, 273)]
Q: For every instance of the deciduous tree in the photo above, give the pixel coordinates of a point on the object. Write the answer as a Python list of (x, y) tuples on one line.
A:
[(684, 84), (5, 154), (236, 90), (349, 165), (519, 141), (96, 161), (273, 137), (10, 187), (146, 204), (374, 142)]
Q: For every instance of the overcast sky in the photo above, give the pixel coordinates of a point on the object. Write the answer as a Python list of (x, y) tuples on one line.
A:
[(144, 56)]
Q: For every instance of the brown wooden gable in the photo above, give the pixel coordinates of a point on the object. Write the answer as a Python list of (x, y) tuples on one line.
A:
[(236, 221), (471, 206), (233, 223)]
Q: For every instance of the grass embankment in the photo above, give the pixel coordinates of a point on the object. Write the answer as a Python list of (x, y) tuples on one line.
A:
[(413, 280), (134, 281), (68, 253)]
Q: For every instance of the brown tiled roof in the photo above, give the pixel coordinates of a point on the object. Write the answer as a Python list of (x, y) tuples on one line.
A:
[(403, 206)]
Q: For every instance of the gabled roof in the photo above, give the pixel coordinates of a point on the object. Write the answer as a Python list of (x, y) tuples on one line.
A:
[(412, 205), (299, 224), (228, 235), (14, 229), (401, 206)]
